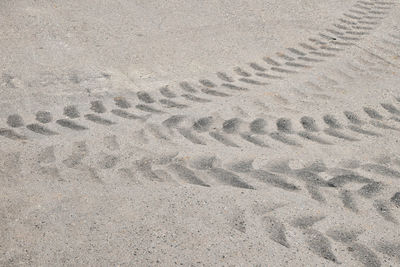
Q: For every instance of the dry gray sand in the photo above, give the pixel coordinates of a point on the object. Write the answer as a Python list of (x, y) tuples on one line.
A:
[(200, 133)]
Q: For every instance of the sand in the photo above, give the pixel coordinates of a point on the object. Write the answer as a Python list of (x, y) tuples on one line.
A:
[(199, 133)]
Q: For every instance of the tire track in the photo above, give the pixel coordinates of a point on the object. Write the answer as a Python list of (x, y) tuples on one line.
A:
[(242, 174), (340, 188)]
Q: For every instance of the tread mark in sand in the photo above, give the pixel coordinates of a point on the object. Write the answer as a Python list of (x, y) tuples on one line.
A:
[(372, 113), (187, 87), (145, 97), (40, 129), (147, 108), (173, 121), (241, 72), (122, 102), (203, 124), (172, 104), (282, 70), (166, 92), (71, 112), (268, 76), (15, 121), (11, 134), (213, 92), (222, 139), (309, 124), (281, 137), (234, 87), (44, 116), (311, 137), (70, 124), (195, 98), (257, 67), (253, 139), (187, 175), (271, 61), (98, 106), (258, 125), (97, 119), (187, 133), (221, 175), (223, 76), (126, 115), (207, 83), (252, 81)]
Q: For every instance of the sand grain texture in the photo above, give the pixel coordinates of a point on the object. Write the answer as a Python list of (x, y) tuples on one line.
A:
[(200, 133)]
